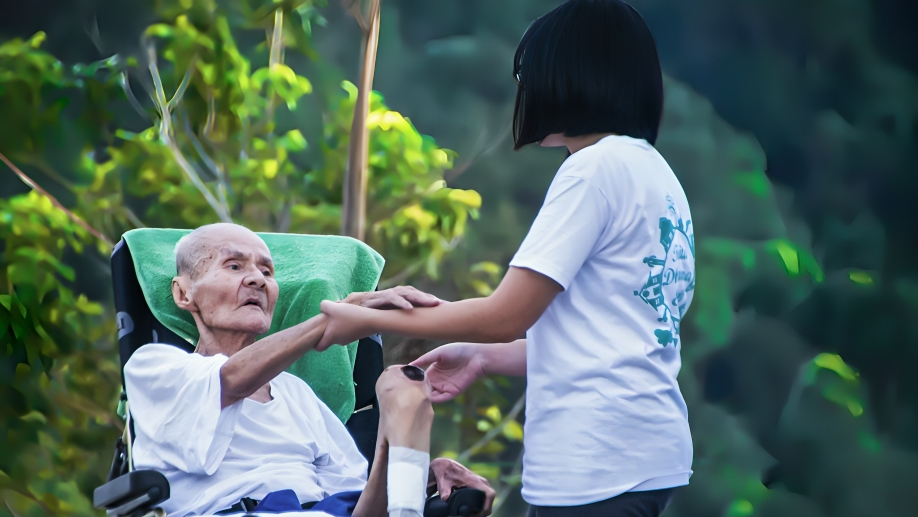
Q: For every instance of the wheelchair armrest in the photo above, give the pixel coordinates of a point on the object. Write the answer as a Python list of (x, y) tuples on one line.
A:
[(462, 502), (137, 490)]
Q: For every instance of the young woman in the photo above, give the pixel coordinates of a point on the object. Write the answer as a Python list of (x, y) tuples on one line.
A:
[(599, 286)]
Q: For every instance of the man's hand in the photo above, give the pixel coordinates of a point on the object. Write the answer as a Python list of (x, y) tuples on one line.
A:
[(347, 321), (447, 475), (401, 297), (451, 369)]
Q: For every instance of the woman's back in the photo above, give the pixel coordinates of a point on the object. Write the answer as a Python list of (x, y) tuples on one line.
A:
[(604, 412)]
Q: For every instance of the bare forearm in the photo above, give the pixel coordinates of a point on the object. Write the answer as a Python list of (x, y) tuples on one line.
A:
[(373, 500), (504, 358), (258, 363), (477, 320)]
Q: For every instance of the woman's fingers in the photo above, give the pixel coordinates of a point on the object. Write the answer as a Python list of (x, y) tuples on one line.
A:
[(439, 396), (427, 359)]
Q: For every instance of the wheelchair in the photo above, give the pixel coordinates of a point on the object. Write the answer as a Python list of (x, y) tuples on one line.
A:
[(136, 493)]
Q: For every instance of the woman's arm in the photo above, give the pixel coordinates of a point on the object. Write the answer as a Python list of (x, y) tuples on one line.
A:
[(504, 358), (507, 314), (454, 367)]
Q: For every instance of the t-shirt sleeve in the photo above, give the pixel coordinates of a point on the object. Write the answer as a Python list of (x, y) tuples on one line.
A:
[(343, 468), (565, 232), (174, 399)]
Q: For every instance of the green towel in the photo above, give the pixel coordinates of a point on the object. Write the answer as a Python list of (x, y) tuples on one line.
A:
[(308, 269)]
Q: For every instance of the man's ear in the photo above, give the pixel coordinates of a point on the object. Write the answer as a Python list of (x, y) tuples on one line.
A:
[(181, 294)]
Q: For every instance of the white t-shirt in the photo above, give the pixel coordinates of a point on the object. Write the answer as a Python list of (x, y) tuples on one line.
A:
[(212, 457), (604, 414)]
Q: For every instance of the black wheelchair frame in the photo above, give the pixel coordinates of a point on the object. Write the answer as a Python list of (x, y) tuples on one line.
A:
[(135, 493)]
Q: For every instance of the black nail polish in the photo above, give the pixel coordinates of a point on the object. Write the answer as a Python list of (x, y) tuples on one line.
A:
[(413, 373)]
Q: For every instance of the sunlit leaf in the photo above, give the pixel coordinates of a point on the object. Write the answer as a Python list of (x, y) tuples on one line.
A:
[(740, 508), (834, 363), (513, 431), (861, 277)]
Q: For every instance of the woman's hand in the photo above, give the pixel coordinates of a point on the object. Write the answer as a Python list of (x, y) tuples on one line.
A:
[(451, 369)]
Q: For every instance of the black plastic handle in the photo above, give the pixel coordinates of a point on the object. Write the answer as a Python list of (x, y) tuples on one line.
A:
[(461, 503)]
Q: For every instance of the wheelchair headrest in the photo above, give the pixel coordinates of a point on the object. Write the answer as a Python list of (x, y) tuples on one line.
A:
[(308, 269)]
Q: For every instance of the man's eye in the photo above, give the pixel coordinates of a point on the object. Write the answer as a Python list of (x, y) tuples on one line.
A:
[(267, 272), (234, 267)]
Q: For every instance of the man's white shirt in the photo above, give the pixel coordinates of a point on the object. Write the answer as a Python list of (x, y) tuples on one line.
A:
[(213, 457)]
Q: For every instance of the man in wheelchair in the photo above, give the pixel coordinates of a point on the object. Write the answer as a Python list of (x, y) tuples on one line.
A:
[(234, 433)]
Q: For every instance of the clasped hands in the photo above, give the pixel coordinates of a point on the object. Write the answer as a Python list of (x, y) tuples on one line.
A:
[(446, 375), (450, 368)]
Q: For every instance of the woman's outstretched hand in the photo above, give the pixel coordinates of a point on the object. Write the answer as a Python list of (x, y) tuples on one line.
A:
[(451, 369)]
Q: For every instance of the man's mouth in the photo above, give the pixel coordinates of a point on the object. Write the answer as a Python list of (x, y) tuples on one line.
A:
[(254, 302)]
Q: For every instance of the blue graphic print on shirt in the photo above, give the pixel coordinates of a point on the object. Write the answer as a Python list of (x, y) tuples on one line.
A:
[(671, 276)]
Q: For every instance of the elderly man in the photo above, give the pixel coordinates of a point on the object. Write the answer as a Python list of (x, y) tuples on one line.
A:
[(231, 430)]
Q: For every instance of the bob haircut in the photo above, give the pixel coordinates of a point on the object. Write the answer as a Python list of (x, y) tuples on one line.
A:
[(589, 66)]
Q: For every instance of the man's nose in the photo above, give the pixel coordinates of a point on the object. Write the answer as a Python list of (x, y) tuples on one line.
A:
[(255, 279)]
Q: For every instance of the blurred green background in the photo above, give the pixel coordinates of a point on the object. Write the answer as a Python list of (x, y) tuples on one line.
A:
[(793, 127)]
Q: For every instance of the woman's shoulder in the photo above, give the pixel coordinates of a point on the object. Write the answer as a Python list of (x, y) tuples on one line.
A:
[(611, 153), (614, 158)]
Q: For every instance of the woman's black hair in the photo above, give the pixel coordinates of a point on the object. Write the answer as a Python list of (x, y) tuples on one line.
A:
[(589, 66)]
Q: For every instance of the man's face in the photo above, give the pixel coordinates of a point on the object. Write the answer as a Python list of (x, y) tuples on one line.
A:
[(233, 286)]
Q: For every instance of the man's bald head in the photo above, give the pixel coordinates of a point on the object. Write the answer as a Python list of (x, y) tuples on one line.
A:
[(225, 279), (203, 244)]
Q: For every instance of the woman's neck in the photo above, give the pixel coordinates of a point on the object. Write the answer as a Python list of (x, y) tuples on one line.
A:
[(573, 143)]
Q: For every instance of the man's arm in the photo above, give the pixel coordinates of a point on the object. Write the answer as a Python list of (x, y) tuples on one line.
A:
[(519, 300), (255, 365)]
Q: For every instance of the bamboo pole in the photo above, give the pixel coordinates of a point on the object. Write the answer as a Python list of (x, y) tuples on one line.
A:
[(354, 209)]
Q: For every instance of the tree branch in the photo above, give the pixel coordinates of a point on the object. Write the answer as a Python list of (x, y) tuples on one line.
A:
[(501, 496), (166, 134), (277, 40), (464, 456), (132, 100), (354, 205), (73, 217), (401, 276), (180, 92)]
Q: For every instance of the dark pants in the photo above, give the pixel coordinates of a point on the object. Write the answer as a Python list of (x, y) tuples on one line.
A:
[(630, 504)]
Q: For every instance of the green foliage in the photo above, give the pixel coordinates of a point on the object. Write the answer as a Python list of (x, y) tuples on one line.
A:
[(216, 154), (25, 71), (416, 219), (58, 368)]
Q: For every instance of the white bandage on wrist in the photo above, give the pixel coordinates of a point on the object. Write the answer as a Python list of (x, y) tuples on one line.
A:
[(406, 483)]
